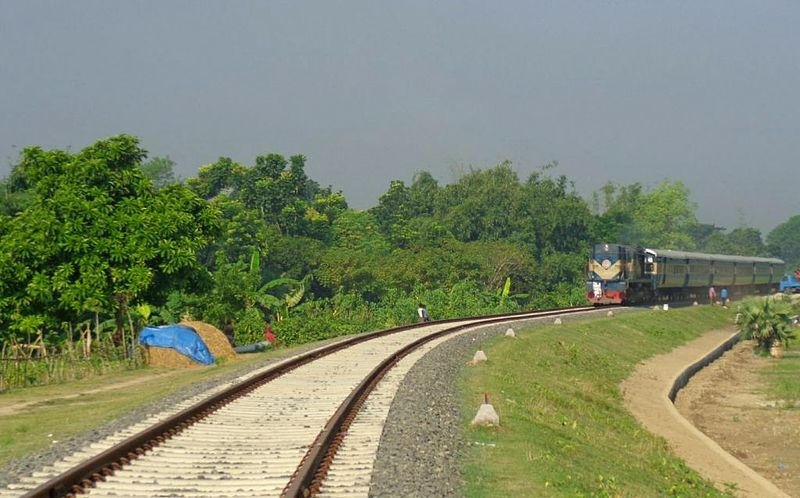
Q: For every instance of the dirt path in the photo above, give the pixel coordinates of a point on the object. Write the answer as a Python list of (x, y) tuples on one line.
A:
[(645, 394), (723, 401), (13, 408)]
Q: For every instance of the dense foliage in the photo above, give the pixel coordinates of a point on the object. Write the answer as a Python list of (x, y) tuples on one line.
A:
[(99, 235)]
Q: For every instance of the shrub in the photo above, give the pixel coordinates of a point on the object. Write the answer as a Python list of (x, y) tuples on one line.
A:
[(766, 321)]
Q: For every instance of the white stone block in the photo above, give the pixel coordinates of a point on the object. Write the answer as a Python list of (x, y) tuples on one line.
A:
[(486, 416)]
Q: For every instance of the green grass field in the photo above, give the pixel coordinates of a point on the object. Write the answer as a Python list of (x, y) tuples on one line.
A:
[(32, 418), (782, 378), (563, 428)]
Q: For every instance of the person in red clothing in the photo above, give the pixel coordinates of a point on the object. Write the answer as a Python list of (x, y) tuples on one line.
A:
[(268, 335)]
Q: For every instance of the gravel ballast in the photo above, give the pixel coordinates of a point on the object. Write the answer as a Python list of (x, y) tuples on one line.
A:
[(420, 445), (13, 471), (419, 450)]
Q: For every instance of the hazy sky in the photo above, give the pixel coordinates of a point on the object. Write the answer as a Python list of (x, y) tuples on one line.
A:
[(702, 92)]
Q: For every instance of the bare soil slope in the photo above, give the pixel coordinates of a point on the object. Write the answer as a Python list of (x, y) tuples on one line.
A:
[(645, 394), (723, 401)]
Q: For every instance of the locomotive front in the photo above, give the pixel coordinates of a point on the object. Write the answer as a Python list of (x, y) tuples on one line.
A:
[(606, 274)]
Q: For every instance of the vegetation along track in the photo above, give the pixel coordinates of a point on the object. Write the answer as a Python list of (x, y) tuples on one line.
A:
[(275, 433)]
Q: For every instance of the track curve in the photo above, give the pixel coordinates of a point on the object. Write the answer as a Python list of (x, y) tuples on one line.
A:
[(251, 445)]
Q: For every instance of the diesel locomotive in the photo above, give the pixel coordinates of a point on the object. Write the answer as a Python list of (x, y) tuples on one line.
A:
[(621, 274)]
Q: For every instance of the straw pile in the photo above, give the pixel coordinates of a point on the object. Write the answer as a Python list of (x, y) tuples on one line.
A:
[(215, 341)]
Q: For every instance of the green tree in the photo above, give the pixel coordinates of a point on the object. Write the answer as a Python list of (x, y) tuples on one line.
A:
[(784, 241), (422, 194), (747, 241), (161, 171), (393, 213), (278, 190), (615, 206), (481, 204), (97, 235), (663, 217)]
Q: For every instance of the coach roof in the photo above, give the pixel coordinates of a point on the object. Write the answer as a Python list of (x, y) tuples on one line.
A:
[(712, 257)]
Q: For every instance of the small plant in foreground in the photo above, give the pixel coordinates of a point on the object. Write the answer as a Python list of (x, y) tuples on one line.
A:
[(767, 321)]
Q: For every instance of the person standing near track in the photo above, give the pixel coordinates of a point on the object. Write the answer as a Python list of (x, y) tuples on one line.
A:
[(723, 294), (269, 336), (423, 313), (712, 295)]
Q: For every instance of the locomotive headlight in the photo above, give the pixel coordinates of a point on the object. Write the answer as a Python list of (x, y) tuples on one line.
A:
[(606, 264)]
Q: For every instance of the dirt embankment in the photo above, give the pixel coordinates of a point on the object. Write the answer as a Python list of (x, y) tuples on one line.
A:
[(646, 396), (723, 401)]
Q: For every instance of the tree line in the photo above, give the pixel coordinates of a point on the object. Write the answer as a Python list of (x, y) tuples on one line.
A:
[(101, 237)]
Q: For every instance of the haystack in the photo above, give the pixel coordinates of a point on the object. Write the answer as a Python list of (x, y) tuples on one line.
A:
[(215, 341)]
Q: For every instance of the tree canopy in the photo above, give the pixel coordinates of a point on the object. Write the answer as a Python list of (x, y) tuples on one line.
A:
[(97, 235), (94, 232)]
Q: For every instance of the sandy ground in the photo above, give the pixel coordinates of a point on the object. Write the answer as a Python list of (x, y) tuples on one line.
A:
[(722, 400), (744, 445)]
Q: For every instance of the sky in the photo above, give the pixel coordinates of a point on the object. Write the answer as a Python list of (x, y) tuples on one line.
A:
[(705, 93)]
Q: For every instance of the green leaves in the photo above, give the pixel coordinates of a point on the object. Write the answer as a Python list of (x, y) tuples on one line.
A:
[(784, 241), (95, 229), (766, 320)]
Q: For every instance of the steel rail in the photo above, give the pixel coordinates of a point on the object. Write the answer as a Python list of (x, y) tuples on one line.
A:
[(314, 466), (97, 468)]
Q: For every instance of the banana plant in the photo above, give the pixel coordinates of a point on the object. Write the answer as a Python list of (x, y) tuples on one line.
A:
[(505, 293), (265, 296)]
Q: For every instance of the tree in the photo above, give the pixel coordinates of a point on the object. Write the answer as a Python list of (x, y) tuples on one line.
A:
[(278, 190), (784, 241), (615, 206), (665, 217), (747, 241), (422, 194), (662, 217), (97, 235), (481, 204), (161, 170), (393, 213)]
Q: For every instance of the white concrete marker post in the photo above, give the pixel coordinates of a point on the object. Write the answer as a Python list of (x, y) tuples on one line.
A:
[(479, 357), (557, 321), (486, 414), (510, 333)]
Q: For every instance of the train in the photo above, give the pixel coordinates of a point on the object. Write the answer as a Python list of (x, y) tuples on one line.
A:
[(624, 274)]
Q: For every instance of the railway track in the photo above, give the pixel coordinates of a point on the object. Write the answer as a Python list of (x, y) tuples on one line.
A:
[(307, 426)]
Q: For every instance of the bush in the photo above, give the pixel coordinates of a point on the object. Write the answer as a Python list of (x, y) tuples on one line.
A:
[(766, 320)]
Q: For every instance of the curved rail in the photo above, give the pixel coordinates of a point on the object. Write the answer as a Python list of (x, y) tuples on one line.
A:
[(106, 463), (315, 464)]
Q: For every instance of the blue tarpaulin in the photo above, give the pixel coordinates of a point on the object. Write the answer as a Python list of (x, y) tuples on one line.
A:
[(181, 338)]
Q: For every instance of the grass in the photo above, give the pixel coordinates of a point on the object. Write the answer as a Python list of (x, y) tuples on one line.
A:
[(781, 377), (564, 430), (47, 414)]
